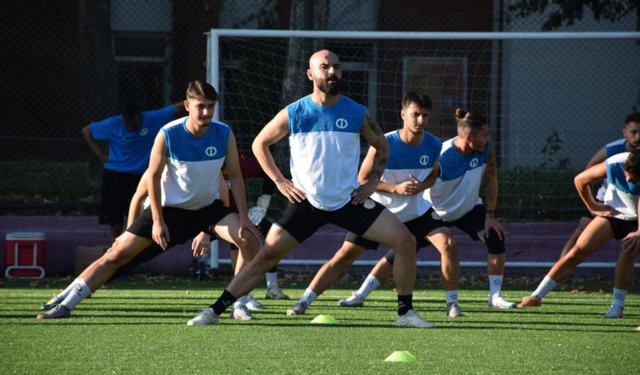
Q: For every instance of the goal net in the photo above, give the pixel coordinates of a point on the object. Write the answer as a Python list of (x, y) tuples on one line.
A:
[(552, 99)]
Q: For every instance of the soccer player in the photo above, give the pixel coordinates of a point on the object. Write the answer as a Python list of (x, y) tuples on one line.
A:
[(184, 175), (624, 265), (324, 131), (413, 156), (130, 137), (465, 162), (616, 218)]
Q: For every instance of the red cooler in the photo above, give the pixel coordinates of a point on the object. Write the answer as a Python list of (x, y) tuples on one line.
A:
[(26, 255)]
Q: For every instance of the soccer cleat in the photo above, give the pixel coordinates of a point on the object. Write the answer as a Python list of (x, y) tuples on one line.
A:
[(500, 303), (298, 309), (275, 293), (53, 302), (615, 312), (58, 312), (254, 305), (206, 317), (453, 310), (241, 313), (412, 319), (354, 301), (531, 301)]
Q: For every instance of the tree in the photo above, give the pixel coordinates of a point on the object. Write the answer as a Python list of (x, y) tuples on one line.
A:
[(568, 11)]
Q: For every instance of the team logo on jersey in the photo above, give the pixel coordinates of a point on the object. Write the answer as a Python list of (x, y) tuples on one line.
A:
[(424, 159), (474, 162), (342, 123), (144, 131), (211, 151)]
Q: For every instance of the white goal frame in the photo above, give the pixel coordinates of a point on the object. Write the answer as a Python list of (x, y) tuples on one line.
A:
[(213, 77)]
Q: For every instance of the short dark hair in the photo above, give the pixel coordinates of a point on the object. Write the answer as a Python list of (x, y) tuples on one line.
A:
[(200, 88), (130, 110), (634, 117), (469, 120), (632, 164), (422, 100)]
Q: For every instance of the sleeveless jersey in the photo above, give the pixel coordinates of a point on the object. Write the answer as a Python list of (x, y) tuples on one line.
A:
[(613, 148), (621, 195), (191, 177), (457, 189), (325, 150), (404, 160)]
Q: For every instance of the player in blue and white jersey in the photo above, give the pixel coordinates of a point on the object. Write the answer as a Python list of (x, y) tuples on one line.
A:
[(465, 162), (630, 140), (624, 264), (413, 156), (324, 132), (616, 218), (184, 179), (130, 136)]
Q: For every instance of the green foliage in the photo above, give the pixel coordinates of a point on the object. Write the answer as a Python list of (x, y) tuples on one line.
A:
[(139, 329), (538, 194), (41, 181), (566, 12)]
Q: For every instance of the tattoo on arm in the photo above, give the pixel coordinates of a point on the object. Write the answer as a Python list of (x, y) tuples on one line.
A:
[(379, 163), (373, 124)]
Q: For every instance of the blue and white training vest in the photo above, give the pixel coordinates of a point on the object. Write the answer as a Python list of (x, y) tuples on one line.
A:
[(405, 160), (325, 150), (191, 177), (457, 189), (613, 148), (621, 195)]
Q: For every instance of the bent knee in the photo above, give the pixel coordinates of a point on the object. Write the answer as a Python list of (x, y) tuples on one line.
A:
[(576, 256)]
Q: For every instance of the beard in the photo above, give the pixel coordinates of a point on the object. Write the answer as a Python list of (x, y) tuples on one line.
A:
[(332, 89)]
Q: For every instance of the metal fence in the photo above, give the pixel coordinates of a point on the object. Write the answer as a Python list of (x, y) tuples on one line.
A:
[(68, 63)]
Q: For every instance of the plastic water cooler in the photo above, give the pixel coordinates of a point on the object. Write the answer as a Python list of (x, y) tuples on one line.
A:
[(26, 255)]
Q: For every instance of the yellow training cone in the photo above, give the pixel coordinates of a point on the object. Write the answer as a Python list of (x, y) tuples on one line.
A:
[(401, 356), (324, 319)]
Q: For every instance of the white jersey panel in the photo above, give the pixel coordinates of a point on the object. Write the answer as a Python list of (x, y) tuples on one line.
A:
[(323, 169)]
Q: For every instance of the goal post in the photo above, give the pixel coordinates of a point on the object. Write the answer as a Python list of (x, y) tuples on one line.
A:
[(552, 99)]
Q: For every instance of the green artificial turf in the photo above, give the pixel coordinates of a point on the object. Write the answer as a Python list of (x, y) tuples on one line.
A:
[(140, 327)]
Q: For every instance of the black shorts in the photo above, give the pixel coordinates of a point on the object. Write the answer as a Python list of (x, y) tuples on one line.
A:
[(621, 228), (472, 223), (183, 224), (302, 220), (117, 190), (420, 227)]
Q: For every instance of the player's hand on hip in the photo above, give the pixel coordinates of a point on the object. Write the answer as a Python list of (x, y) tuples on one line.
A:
[(289, 190), (360, 194), (201, 244), (160, 235), (603, 210)]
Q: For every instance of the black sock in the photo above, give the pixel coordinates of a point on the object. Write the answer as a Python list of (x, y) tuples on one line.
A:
[(226, 299), (405, 303)]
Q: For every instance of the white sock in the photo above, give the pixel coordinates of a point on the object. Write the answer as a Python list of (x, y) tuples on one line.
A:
[(79, 291), (66, 292), (618, 297), (452, 296), (272, 279), (308, 297), (495, 284), (369, 285), (241, 302), (547, 285)]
